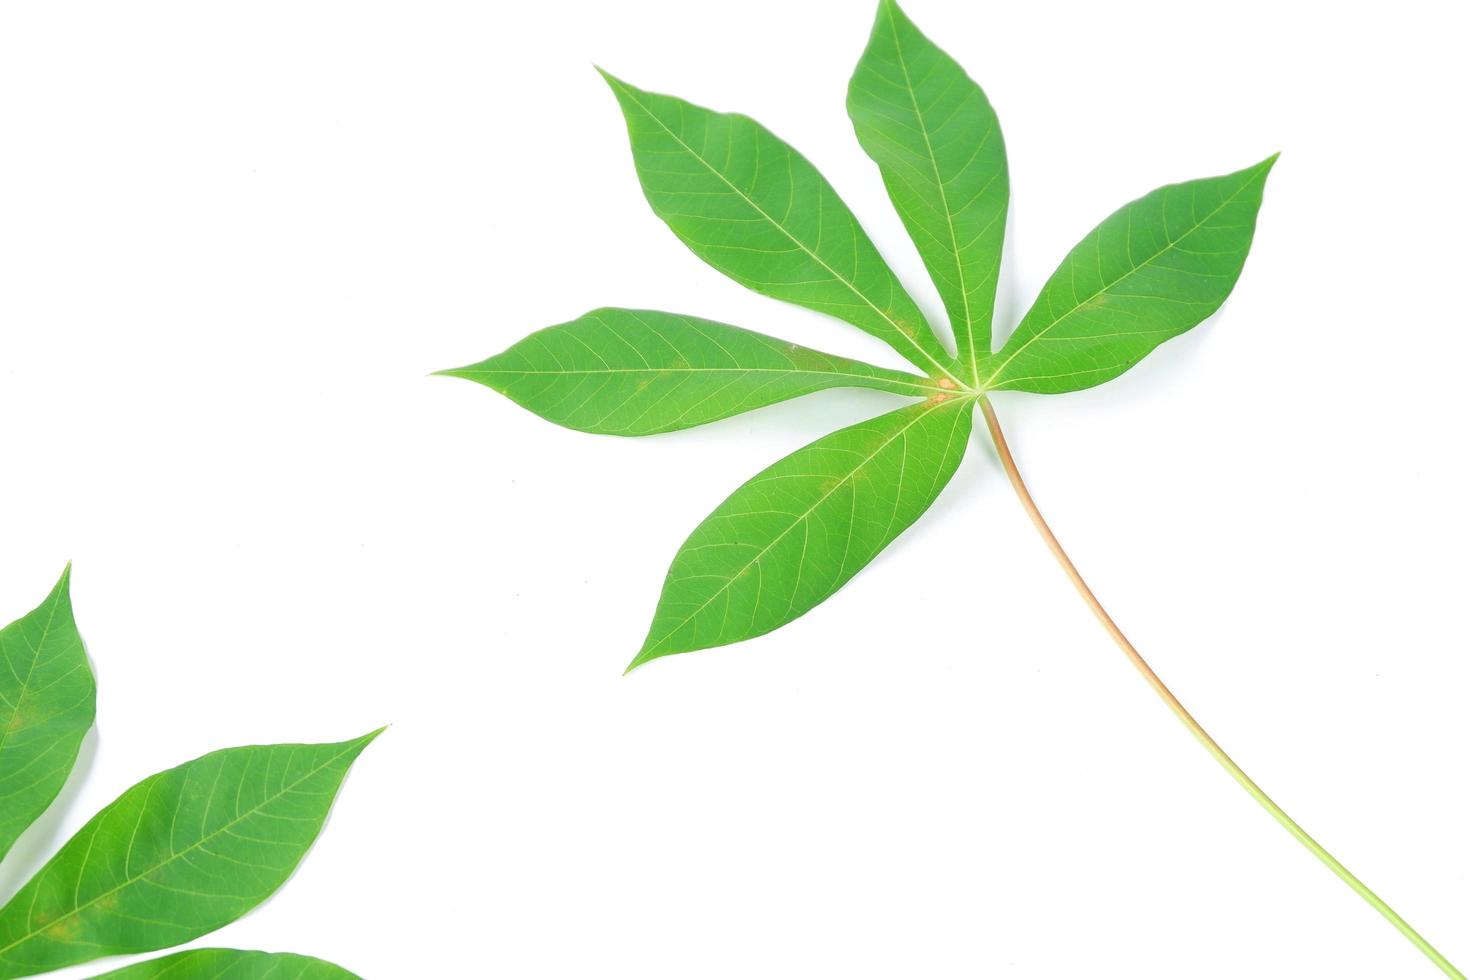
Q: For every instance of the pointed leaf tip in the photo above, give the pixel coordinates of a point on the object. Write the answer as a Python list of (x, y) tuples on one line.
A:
[(894, 12), (64, 583), (637, 662)]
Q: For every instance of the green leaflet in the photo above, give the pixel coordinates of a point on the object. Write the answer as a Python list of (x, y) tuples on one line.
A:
[(1150, 271), (636, 372), (180, 854), (47, 702), (794, 534), (938, 145), (754, 208), (230, 964)]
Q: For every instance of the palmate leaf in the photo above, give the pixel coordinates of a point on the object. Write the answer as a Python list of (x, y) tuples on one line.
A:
[(47, 703), (230, 964), (795, 533), (179, 855), (938, 144), (637, 372), (1152, 270), (754, 208)]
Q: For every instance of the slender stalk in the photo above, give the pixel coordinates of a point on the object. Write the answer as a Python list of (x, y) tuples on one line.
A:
[(1183, 714)]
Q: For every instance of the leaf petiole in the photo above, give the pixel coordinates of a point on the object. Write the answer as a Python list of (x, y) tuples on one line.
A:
[(1182, 713)]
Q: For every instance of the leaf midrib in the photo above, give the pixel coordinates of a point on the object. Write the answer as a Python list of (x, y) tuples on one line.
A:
[(794, 240), (879, 378), (173, 856), (954, 239), (1107, 286)]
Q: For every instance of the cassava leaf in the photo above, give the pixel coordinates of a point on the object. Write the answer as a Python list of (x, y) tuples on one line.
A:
[(178, 855), (795, 533), (754, 208), (636, 372), (751, 206), (230, 964), (938, 144), (1149, 272), (47, 703)]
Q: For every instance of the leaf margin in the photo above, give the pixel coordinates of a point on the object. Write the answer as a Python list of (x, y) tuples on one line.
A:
[(163, 966)]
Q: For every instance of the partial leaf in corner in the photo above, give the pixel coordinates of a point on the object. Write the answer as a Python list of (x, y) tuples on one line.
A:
[(230, 964), (48, 700), (179, 855)]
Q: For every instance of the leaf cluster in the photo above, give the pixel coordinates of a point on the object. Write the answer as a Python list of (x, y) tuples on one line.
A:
[(178, 855)]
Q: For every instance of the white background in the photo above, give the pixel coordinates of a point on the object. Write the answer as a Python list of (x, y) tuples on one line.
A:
[(234, 240)]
